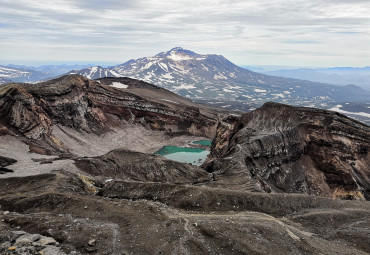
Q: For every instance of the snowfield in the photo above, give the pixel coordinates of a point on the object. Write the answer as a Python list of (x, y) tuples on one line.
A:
[(184, 86), (260, 90), (119, 85)]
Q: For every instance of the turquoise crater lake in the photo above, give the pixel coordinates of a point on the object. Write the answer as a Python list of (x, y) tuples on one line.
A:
[(203, 142), (194, 156)]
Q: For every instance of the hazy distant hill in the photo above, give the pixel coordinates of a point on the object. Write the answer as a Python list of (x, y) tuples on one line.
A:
[(54, 70), (3, 80), (19, 73), (337, 75)]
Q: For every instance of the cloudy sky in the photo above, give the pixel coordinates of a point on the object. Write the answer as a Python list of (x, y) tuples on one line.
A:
[(247, 32)]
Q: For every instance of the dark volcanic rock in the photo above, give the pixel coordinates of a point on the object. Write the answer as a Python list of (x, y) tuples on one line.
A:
[(76, 102), (280, 148), (159, 218), (136, 166), (4, 162)]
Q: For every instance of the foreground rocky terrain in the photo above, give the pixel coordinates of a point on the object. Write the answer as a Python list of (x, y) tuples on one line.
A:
[(120, 217), (76, 169)]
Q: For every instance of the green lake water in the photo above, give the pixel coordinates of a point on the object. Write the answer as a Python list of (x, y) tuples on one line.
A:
[(193, 156), (203, 142)]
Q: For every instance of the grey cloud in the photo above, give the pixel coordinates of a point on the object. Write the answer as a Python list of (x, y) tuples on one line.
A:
[(128, 29)]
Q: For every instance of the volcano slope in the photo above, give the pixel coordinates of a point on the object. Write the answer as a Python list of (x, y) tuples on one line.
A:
[(280, 148), (112, 200), (73, 116)]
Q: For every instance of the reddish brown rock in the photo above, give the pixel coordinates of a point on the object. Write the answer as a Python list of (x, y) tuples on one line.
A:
[(280, 148), (90, 106)]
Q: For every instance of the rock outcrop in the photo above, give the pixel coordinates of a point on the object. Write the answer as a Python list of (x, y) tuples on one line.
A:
[(135, 166), (280, 148), (4, 162), (20, 242), (31, 110)]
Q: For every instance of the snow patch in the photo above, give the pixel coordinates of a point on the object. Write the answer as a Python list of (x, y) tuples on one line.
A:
[(279, 95), (119, 85), (148, 65), (93, 70), (163, 66), (167, 76), (204, 67), (219, 77), (184, 86), (178, 57), (260, 90), (337, 109), (234, 87)]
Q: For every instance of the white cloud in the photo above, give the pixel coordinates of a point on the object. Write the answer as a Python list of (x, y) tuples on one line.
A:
[(317, 32)]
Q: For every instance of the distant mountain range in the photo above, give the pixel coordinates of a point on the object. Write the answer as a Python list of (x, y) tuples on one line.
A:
[(207, 78), (20, 74), (17, 73), (214, 78), (336, 75), (95, 72)]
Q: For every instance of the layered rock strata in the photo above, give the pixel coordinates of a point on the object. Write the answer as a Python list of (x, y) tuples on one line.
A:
[(280, 148), (31, 111)]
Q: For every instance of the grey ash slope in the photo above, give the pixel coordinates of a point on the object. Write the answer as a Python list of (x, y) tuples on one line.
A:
[(213, 77)]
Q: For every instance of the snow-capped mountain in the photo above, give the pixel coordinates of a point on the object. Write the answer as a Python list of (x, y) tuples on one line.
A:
[(18, 74), (214, 78), (95, 72), (3, 80)]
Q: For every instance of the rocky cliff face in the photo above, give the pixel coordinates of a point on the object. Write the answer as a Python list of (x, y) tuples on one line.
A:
[(280, 148), (31, 110)]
